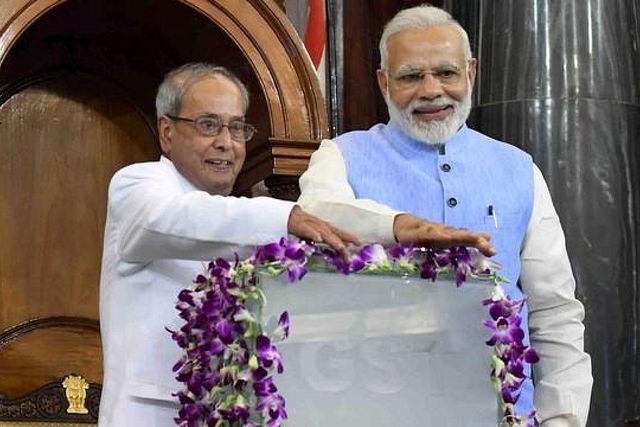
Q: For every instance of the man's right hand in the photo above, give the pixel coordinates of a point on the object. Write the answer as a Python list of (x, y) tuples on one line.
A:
[(310, 227), (411, 230)]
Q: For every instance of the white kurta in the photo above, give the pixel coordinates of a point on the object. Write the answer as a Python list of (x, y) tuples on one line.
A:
[(563, 376), (160, 231)]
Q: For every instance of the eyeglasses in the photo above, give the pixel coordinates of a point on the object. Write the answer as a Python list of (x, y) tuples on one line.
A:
[(212, 126)]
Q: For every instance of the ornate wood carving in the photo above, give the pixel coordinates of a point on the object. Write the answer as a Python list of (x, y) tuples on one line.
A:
[(50, 403), (39, 351)]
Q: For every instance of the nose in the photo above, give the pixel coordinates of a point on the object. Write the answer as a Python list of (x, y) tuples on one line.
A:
[(222, 141), (430, 87)]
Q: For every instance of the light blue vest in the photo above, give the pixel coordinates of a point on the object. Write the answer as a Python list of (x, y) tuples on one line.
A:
[(475, 176)]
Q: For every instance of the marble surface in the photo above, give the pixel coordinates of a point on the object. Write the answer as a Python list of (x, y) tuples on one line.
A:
[(383, 351)]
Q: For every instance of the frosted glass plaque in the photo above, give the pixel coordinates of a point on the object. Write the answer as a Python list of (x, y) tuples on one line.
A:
[(378, 351)]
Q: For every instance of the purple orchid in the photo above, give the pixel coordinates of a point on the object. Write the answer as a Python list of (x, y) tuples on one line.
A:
[(402, 254), (268, 354), (374, 254), (507, 330), (272, 407), (281, 332), (264, 387), (332, 258), (291, 255)]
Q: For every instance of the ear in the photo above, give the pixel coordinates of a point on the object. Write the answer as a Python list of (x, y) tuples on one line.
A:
[(165, 134), (473, 63), (383, 82)]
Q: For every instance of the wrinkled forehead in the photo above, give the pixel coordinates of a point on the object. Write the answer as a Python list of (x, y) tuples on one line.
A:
[(213, 96), (222, 83), (426, 48)]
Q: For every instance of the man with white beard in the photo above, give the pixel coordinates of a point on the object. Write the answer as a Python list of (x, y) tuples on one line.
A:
[(426, 163)]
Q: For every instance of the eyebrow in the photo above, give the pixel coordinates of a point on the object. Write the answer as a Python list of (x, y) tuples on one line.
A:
[(218, 116), (409, 68)]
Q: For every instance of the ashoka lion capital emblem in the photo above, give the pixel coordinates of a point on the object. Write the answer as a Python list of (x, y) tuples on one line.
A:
[(76, 392)]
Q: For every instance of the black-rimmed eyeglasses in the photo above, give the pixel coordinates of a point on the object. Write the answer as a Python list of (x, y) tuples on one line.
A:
[(212, 126)]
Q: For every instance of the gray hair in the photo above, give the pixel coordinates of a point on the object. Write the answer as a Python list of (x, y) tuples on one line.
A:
[(415, 18), (176, 83)]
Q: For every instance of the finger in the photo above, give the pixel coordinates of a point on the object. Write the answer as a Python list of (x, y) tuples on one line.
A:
[(444, 236), (338, 245), (335, 241), (346, 237), (480, 241), (484, 245), (487, 236), (307, 226), (311, 233)]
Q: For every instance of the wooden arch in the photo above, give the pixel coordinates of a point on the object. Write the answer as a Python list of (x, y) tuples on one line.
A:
[(263, 37)]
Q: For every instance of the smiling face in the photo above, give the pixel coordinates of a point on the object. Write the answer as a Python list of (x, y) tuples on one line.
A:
[(210, 163), (428, 81)]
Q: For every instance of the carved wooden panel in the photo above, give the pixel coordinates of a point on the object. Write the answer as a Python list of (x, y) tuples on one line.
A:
[(40, 351), (64, 402), (63, 137)]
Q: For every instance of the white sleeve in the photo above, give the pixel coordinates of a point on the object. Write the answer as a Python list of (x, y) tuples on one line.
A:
[(156, 219), (562, 377), (325, 192)]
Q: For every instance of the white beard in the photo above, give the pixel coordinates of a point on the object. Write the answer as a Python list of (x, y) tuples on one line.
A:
[(433, 132)]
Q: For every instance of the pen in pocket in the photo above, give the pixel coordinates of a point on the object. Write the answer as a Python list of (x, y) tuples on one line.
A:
[(492, 211)]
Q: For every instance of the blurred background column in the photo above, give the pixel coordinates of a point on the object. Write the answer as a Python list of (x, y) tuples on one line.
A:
[(560, 79)]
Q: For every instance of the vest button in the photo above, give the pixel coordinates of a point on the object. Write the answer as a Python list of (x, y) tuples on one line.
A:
[(452, 202), (445, 167)]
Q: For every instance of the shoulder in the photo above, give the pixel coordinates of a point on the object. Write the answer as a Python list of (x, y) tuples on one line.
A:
[(153, 173), (358, 137), (502, 147), (151, 168)]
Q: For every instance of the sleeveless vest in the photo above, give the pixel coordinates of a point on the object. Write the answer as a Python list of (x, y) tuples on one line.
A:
[(473, 181)]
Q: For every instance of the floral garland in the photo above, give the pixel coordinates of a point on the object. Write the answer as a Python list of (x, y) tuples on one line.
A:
[(229, 359)]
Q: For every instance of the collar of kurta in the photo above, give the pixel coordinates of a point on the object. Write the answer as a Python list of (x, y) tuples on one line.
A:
[(184, 183)]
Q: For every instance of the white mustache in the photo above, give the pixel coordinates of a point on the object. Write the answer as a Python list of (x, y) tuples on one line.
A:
[(441, 102)]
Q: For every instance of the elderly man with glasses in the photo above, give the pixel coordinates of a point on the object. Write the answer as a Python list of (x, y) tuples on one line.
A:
[(166, 217)]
